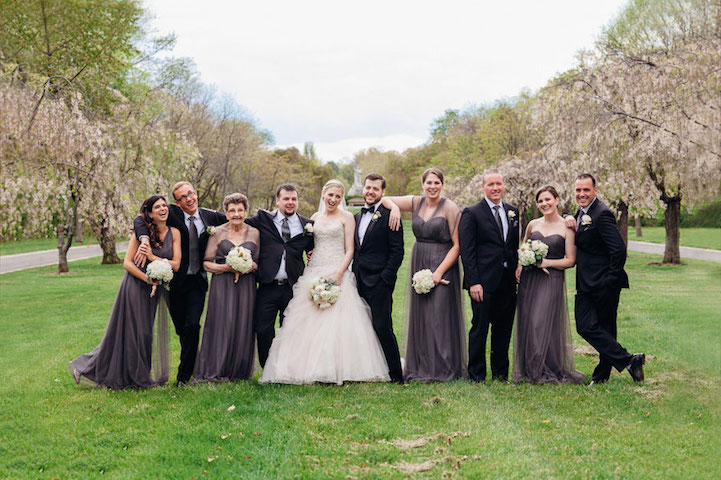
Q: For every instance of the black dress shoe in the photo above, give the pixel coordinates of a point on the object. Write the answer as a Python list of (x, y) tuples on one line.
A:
[(635, 368), (597, 381), (397, 381)]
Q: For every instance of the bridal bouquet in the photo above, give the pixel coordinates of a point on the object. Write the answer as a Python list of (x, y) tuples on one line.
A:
[(531, 253), (159, 271), (241, 260), (423, 281), (324, 293)]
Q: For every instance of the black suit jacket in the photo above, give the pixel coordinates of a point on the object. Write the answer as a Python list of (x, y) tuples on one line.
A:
[(381, 253), (177, 219), (483, 250), (272, 247), (600, 252)]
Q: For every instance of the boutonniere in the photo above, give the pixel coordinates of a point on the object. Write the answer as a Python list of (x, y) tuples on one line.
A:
[(586, 220), (376, 216), (210, 230), (511, 215), (308, 228)]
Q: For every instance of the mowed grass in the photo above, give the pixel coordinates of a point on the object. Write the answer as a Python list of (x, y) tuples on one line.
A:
[(667, 427), (37, 244), (690, 237)]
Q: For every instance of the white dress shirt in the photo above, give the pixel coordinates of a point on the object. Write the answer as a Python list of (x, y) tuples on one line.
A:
[(296, 228), (199, 225), (365, 221)]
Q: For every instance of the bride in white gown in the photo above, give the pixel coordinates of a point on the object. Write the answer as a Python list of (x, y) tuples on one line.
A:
[(337, 344)]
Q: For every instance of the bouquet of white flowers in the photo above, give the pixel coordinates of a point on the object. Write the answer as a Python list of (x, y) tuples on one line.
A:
[(531, 253), (324, 293), (423, 281), (241, 260), (159, 271)]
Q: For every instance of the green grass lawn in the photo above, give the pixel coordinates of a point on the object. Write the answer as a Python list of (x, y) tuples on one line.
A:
[(36, 244), (667, 427), (690, 237)]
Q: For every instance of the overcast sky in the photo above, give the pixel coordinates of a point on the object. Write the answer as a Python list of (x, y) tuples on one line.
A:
[(348, 75)]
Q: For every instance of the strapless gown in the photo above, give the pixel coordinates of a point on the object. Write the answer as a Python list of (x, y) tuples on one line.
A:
[(327, 346), (543, 349)]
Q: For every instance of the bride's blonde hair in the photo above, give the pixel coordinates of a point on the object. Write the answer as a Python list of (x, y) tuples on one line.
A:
[(333, 183)]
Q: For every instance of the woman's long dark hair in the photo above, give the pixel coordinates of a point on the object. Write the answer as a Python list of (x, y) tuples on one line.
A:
[(145, 210)]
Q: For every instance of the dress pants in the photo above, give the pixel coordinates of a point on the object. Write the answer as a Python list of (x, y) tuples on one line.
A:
[(380, 301), (495, 311), (596, 314), (186, 307), (271, 299)]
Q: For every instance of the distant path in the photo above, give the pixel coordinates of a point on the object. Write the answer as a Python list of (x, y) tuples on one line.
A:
[(21, 261), (686, 252)]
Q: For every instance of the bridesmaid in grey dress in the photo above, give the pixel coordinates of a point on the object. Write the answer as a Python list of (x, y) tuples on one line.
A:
[(543, 348), (436, 341), (129, 356), (228, 344)]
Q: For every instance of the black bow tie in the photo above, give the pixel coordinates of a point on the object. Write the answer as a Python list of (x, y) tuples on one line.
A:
[(365, 210)]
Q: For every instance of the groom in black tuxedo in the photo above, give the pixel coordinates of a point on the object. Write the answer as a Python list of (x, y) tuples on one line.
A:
[(600, 257), (488, 237), (190, 282), (377, 255), (284, 236)]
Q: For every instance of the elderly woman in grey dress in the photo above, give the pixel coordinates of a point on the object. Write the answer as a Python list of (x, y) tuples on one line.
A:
[(130, 355), (228, 344)]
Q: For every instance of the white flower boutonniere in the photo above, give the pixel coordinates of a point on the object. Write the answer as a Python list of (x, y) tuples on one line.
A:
[(211, 230), (376, 216), (511, 215), (308, 228), (586, 220)]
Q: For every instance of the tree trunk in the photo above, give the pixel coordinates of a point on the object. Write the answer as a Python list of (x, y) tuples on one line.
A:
[(107, 244), (637, 220), (79, 230), (622, 222), (672, 219)]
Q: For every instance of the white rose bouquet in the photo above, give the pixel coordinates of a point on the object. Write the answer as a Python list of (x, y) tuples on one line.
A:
[(423, 281), (324, 293), (531, 253), (241, 260), (161, 272)]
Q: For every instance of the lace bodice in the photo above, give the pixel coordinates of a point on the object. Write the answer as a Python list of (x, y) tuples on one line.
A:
[(329, 247)]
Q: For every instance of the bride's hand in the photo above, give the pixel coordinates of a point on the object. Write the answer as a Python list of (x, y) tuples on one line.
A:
[(394, 221), (337, 277)]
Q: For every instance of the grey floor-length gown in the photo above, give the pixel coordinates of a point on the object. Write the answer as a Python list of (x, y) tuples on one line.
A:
[(228, 346), (436, 343), (131, 354), (543, 348)]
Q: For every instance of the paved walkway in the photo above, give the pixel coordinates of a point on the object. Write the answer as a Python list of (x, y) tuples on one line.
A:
[(21, 261), (686, 252)]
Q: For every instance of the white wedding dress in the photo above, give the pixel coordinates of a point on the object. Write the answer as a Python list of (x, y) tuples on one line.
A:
[(328, 346)]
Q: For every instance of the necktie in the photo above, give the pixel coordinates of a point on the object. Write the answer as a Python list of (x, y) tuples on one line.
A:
[(365, 210), (285, 230), (497, 208), (579, 213), (193, 253)]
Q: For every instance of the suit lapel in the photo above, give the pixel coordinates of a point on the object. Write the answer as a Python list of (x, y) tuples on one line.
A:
[(267, 218), (357, 226), (371, 225), (489, 213)]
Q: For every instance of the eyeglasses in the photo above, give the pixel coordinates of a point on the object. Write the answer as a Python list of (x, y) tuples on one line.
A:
[(183, 198)]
